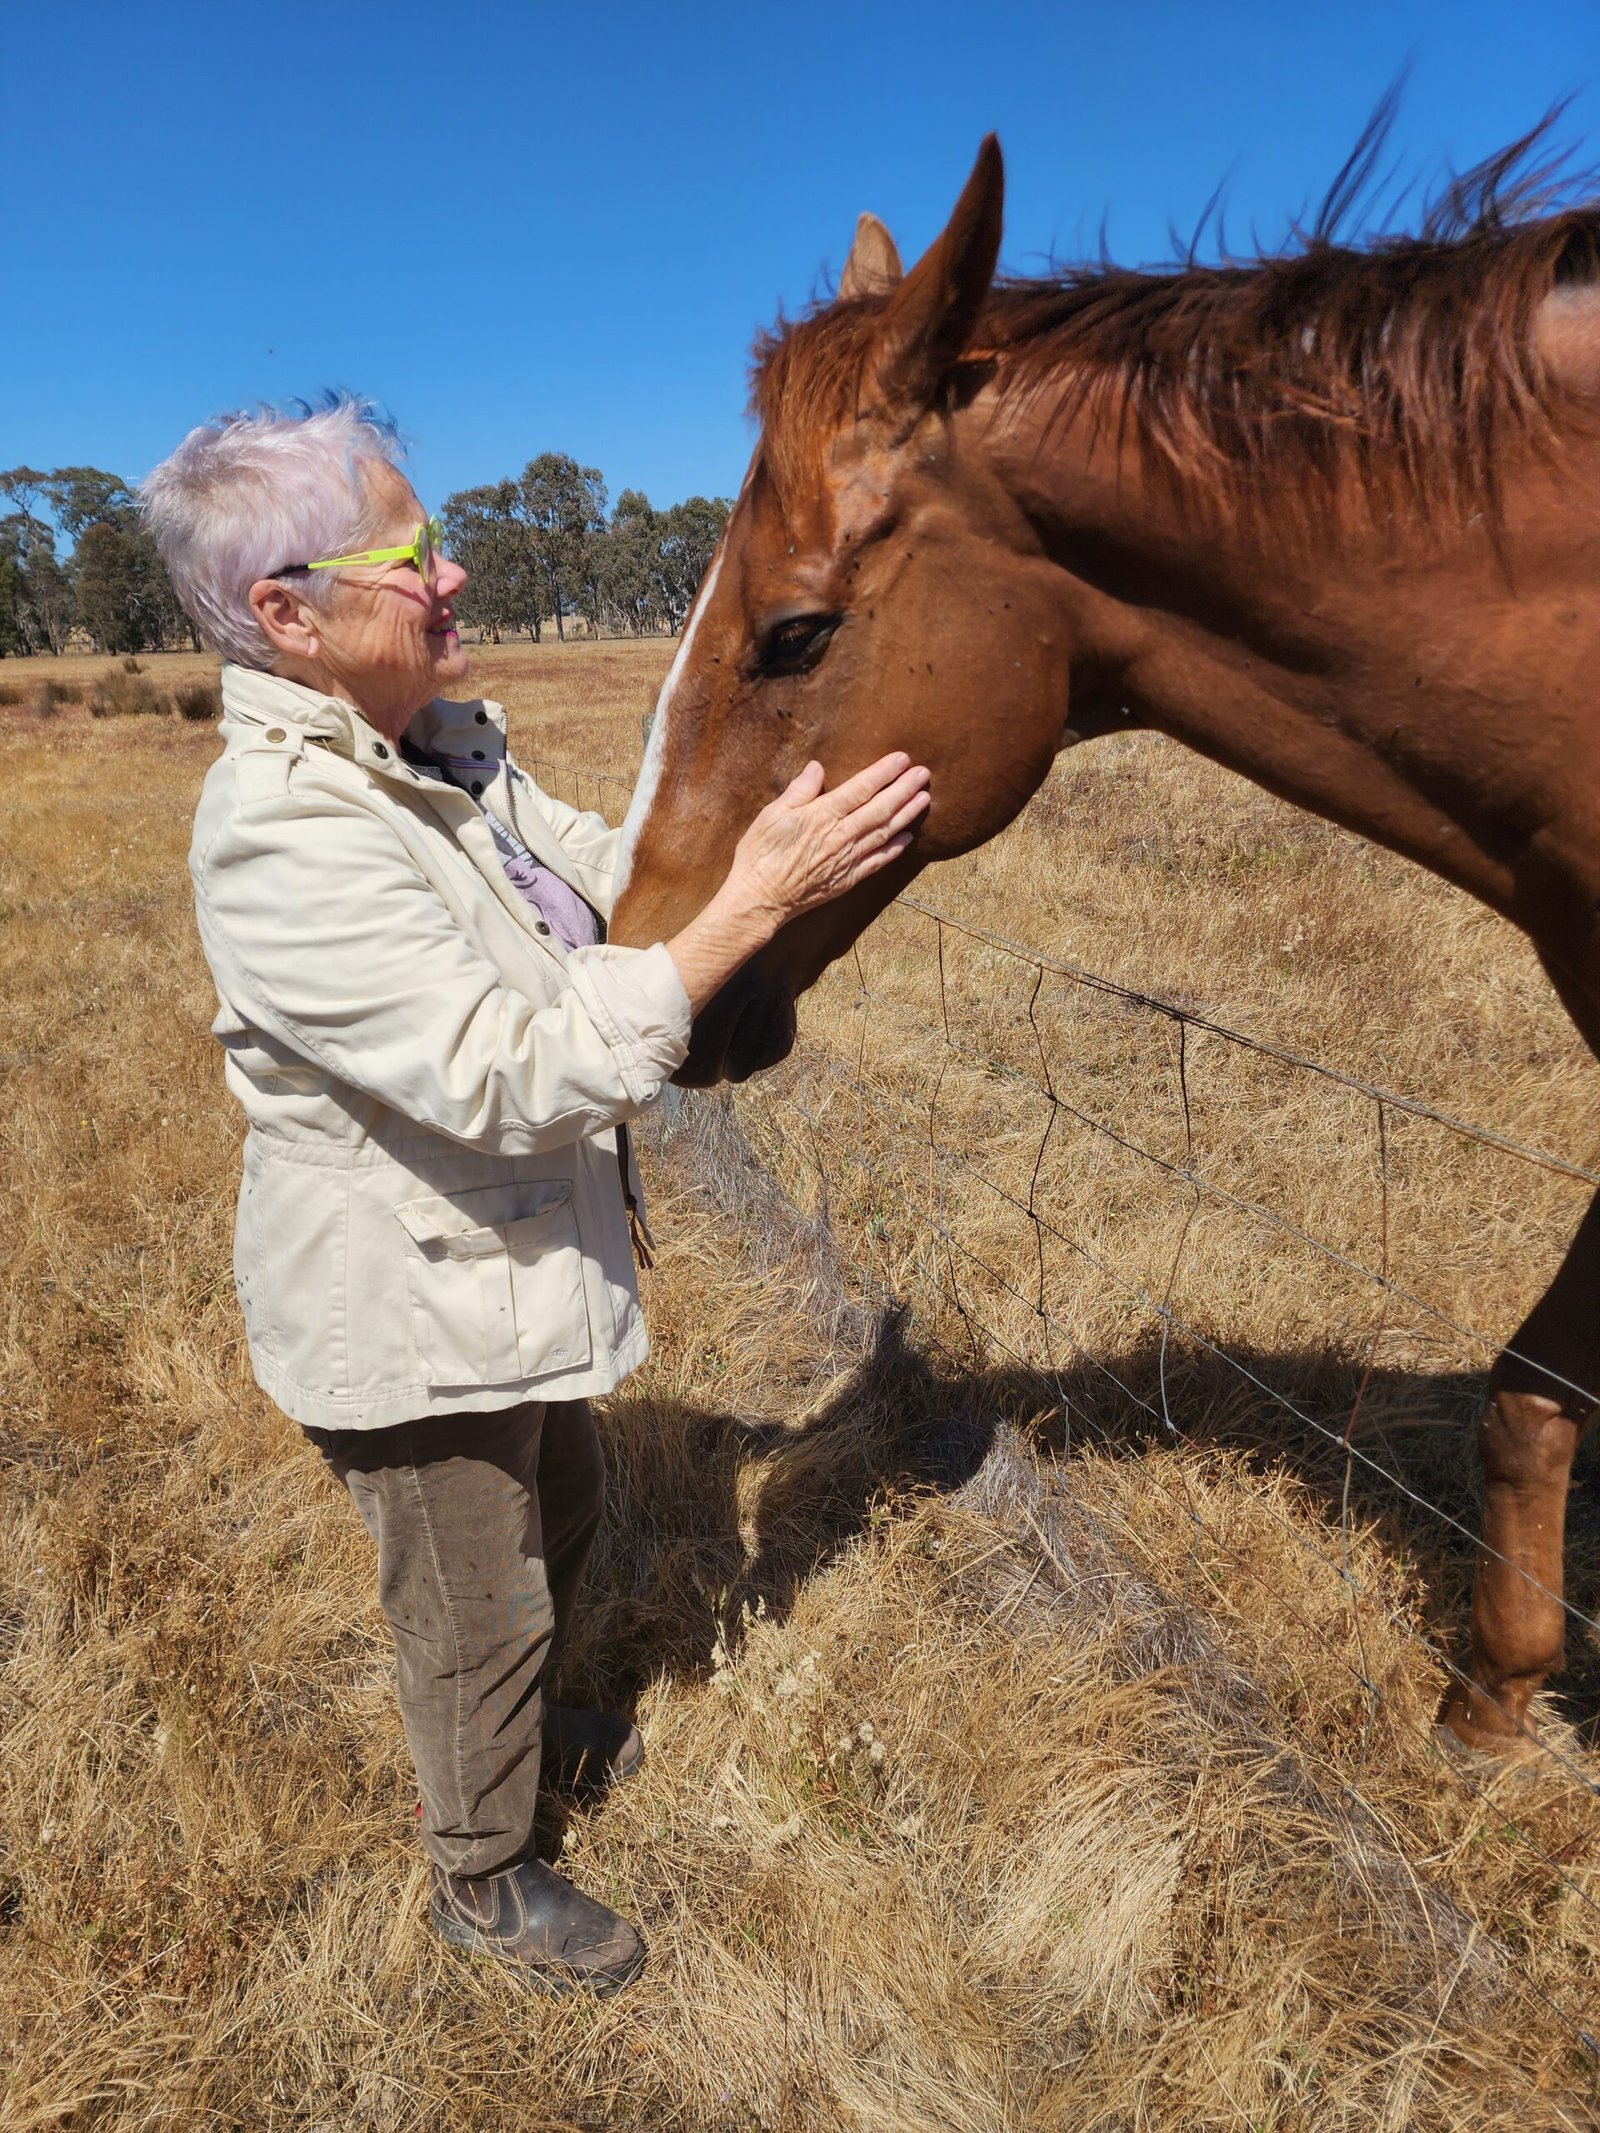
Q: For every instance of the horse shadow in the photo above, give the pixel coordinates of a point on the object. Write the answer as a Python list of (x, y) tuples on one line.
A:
[(1408, 1470), (716, 1517)]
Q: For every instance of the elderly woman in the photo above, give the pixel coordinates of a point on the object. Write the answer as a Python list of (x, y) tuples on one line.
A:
[(437, 1057)]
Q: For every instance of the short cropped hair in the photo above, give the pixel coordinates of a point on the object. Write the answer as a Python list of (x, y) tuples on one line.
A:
[(246, 494)]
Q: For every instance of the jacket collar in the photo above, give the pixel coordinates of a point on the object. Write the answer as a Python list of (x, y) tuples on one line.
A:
[(266, 705), (251, 699)]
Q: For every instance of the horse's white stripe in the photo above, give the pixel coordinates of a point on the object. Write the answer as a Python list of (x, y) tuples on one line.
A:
[(650, 772)]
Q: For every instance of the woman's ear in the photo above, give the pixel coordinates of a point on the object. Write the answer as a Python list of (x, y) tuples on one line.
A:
[(283, 619)]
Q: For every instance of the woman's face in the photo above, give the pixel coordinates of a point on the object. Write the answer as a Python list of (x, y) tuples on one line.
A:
[(388, 636)]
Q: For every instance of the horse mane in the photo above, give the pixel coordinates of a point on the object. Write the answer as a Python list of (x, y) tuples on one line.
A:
[(1400, 364)]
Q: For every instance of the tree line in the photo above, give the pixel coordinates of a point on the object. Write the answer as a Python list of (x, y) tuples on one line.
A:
[(110, 588), (540, 548), (543, 546)]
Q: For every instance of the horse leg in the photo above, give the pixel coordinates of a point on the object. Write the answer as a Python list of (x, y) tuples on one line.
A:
[(1526, 1441)]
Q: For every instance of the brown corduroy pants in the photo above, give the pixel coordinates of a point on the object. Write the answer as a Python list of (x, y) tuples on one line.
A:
[(483, 1525)]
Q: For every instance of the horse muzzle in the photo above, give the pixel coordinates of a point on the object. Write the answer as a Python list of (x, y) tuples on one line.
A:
[(749, 1026)]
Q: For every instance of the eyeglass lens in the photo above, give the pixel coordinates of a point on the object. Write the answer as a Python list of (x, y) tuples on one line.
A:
[(427, 547)]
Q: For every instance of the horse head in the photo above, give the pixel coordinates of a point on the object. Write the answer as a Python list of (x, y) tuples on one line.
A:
[(875, 588)]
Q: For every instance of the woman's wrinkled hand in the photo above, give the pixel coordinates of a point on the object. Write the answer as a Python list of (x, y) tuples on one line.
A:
[(806, 848), (810, 846)]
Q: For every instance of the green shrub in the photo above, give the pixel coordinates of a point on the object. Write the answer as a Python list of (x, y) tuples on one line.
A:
[(120, 694), (197, 700)]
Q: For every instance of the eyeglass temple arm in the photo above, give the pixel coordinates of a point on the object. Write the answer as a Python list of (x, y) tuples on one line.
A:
[(366, 555)]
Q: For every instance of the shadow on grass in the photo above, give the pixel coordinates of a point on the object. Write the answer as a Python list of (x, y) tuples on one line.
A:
[(712, 1513)]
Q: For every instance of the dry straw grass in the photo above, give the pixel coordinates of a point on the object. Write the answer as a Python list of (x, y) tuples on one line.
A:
[(986, 1789)]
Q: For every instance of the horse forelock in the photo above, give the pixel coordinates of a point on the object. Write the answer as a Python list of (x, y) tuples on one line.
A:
[(805, 386), (1397, 367)]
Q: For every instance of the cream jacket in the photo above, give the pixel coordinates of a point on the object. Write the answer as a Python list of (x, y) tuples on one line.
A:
[(431, 1215)]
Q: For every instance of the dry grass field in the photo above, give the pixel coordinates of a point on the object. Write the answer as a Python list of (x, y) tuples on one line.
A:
[(1001, 1664)]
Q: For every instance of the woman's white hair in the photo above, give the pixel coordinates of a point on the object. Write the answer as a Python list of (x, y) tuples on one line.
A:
[(245, 495)]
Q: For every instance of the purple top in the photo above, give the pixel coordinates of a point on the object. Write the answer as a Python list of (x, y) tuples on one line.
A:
[(569, 918)]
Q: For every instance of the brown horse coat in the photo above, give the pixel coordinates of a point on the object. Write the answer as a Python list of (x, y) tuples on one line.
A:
[(1332, 519)]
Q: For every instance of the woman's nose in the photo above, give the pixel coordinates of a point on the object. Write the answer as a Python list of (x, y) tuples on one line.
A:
[(448, 578)]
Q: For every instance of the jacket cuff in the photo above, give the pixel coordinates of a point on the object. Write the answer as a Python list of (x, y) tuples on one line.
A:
[(638, 1003)]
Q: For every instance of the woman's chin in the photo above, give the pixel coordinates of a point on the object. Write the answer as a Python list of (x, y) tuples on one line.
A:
[(449, 655)]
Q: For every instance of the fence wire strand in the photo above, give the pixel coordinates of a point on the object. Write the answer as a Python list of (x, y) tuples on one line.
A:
[(1341, 1440), (1186, 1174), (1096, 982)]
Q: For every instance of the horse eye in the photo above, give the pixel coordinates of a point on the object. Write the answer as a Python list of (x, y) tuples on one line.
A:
[(792, 646)]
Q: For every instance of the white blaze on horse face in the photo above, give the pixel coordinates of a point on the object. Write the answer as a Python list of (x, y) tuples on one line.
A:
[(650, 770)]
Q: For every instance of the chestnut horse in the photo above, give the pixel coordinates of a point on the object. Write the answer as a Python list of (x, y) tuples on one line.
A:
[(1331, 518)]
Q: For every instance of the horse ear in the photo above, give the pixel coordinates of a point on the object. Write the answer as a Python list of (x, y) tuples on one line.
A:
[(928, 321), (873, 268)]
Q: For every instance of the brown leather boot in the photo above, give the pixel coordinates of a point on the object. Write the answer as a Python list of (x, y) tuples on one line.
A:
[(586, 1752), (558, 1939)]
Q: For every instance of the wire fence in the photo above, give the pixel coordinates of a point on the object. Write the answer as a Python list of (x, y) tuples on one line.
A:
[(939, 1148)]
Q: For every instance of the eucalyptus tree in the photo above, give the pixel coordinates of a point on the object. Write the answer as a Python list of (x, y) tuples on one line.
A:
[(563, 507), (39, 604), (13, 587), (690, 532), (113, 584), (504, 590), (630, 580), (81, 497), (125, 598), (40, 607)]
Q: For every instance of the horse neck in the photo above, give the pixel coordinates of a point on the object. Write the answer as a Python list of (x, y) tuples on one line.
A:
[(1372, 681)]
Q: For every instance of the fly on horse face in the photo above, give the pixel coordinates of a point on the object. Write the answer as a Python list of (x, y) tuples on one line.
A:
[(1332, 519)]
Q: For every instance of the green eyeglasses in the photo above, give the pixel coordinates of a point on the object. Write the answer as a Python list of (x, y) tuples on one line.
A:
[(419, 551)]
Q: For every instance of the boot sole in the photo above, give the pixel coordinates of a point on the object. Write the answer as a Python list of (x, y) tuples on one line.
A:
[(559, 1979)]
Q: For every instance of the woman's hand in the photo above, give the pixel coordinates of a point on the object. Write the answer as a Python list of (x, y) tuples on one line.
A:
[(810, 846), (805, 849)]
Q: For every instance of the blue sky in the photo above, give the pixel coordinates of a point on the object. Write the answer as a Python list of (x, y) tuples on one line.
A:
[(532, 224)]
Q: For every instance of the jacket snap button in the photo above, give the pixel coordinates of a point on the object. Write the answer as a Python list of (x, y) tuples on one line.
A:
[(482, 717), (276, 733), (477, 755), (379, 749), (539, 926), (477, 784)]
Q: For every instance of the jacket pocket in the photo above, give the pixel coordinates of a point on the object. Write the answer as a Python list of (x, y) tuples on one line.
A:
[(495, 1278)]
